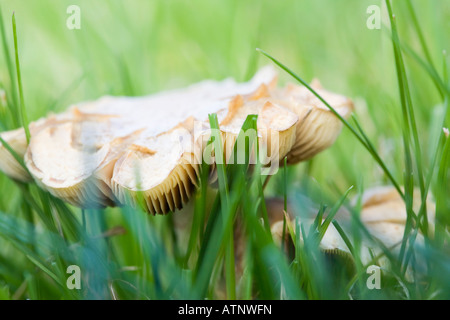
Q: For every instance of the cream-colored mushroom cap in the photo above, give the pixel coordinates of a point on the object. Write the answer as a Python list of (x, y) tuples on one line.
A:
[(162, 168), (111, 150), (276, 126), (318, 126), (384, 214), (17, 141), (75, 158), (331, 241)]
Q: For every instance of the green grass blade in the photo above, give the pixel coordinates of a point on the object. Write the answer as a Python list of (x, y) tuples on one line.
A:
[(344, 237), (416, 24), (345, 122), (408, 130), (224, 194), (15, 115), (23, 114), (324, 226)]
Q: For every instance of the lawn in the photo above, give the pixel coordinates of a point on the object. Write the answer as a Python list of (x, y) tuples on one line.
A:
[(220, 245)]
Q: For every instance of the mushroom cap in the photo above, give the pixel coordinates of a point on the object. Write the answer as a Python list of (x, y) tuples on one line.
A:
[(385, 205), (276, 127), (318, 126), (111, 150), (17, 141), (331, 242), (383, 215), (73, 160), (103, 149), (170, 164)]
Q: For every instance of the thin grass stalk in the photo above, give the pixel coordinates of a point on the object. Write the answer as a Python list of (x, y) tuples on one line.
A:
[(406, 132), (15, 115), (23, 114), (345, 122)]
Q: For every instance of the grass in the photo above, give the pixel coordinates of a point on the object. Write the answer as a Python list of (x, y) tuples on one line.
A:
[(397, 76)]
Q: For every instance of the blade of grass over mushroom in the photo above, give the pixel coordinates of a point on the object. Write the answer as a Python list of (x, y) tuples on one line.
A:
[(257, 180), (324, 226), (345, 122), (344, 237), (224, 196), (23, 114), (197, 233), (265, 253), (252, 147), (385, 251), (199, 207), (250, 123), (206, 257), (233, 171), (220, 161), (263, 207), (212, 220), (357, 244), (311, 263), (236, 174), (220, 232), (318, 219)]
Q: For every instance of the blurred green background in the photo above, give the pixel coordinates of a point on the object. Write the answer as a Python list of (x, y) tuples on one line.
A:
[(137, 47)]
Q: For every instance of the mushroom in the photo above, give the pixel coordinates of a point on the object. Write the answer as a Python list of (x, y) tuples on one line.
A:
[(276, 126), (105, 150), (161, 168), (112, 150), (383, 214), (17, 141), (331, 241), (318, 126), (74, 159)]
